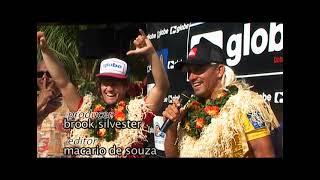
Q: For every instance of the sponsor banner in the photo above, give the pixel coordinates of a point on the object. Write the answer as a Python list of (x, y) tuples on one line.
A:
[(249, 47)]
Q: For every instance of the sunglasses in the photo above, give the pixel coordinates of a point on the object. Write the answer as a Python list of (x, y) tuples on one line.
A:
[(40, 74)]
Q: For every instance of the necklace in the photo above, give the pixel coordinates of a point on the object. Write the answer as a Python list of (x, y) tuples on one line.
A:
[(200, 114)]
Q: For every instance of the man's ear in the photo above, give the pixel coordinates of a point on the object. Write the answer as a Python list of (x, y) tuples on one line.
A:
[(221, 70)]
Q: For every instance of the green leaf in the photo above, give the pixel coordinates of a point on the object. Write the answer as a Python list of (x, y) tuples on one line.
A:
[(208, 119)]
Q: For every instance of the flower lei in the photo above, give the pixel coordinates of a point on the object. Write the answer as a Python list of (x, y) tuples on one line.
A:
[(119, 114), (200, 114)]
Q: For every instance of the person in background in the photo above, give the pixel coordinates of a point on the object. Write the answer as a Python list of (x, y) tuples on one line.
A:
[(50, 112)]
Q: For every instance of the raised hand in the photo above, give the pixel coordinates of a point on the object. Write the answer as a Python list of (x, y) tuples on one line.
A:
[(41, 40), (143, 45)]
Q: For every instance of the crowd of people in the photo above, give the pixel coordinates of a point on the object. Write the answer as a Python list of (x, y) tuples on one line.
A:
[(223, 117)]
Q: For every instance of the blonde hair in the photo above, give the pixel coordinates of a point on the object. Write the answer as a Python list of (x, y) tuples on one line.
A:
[(228, 77)]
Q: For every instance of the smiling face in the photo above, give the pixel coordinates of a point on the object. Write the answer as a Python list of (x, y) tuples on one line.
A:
[(205, 79), (113, 90)]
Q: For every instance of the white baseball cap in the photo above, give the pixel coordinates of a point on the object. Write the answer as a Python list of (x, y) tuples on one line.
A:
[(113, 67)]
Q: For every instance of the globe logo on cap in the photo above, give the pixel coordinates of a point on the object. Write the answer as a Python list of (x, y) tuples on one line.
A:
[(113, 67)]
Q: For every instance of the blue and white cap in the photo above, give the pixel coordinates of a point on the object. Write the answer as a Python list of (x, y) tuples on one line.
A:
[(113, 67)]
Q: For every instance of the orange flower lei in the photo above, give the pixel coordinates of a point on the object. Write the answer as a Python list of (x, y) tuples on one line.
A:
[(119, 114), (199, 115)]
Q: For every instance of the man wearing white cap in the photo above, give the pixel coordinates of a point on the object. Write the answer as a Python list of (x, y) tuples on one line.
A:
[(112, 87)]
